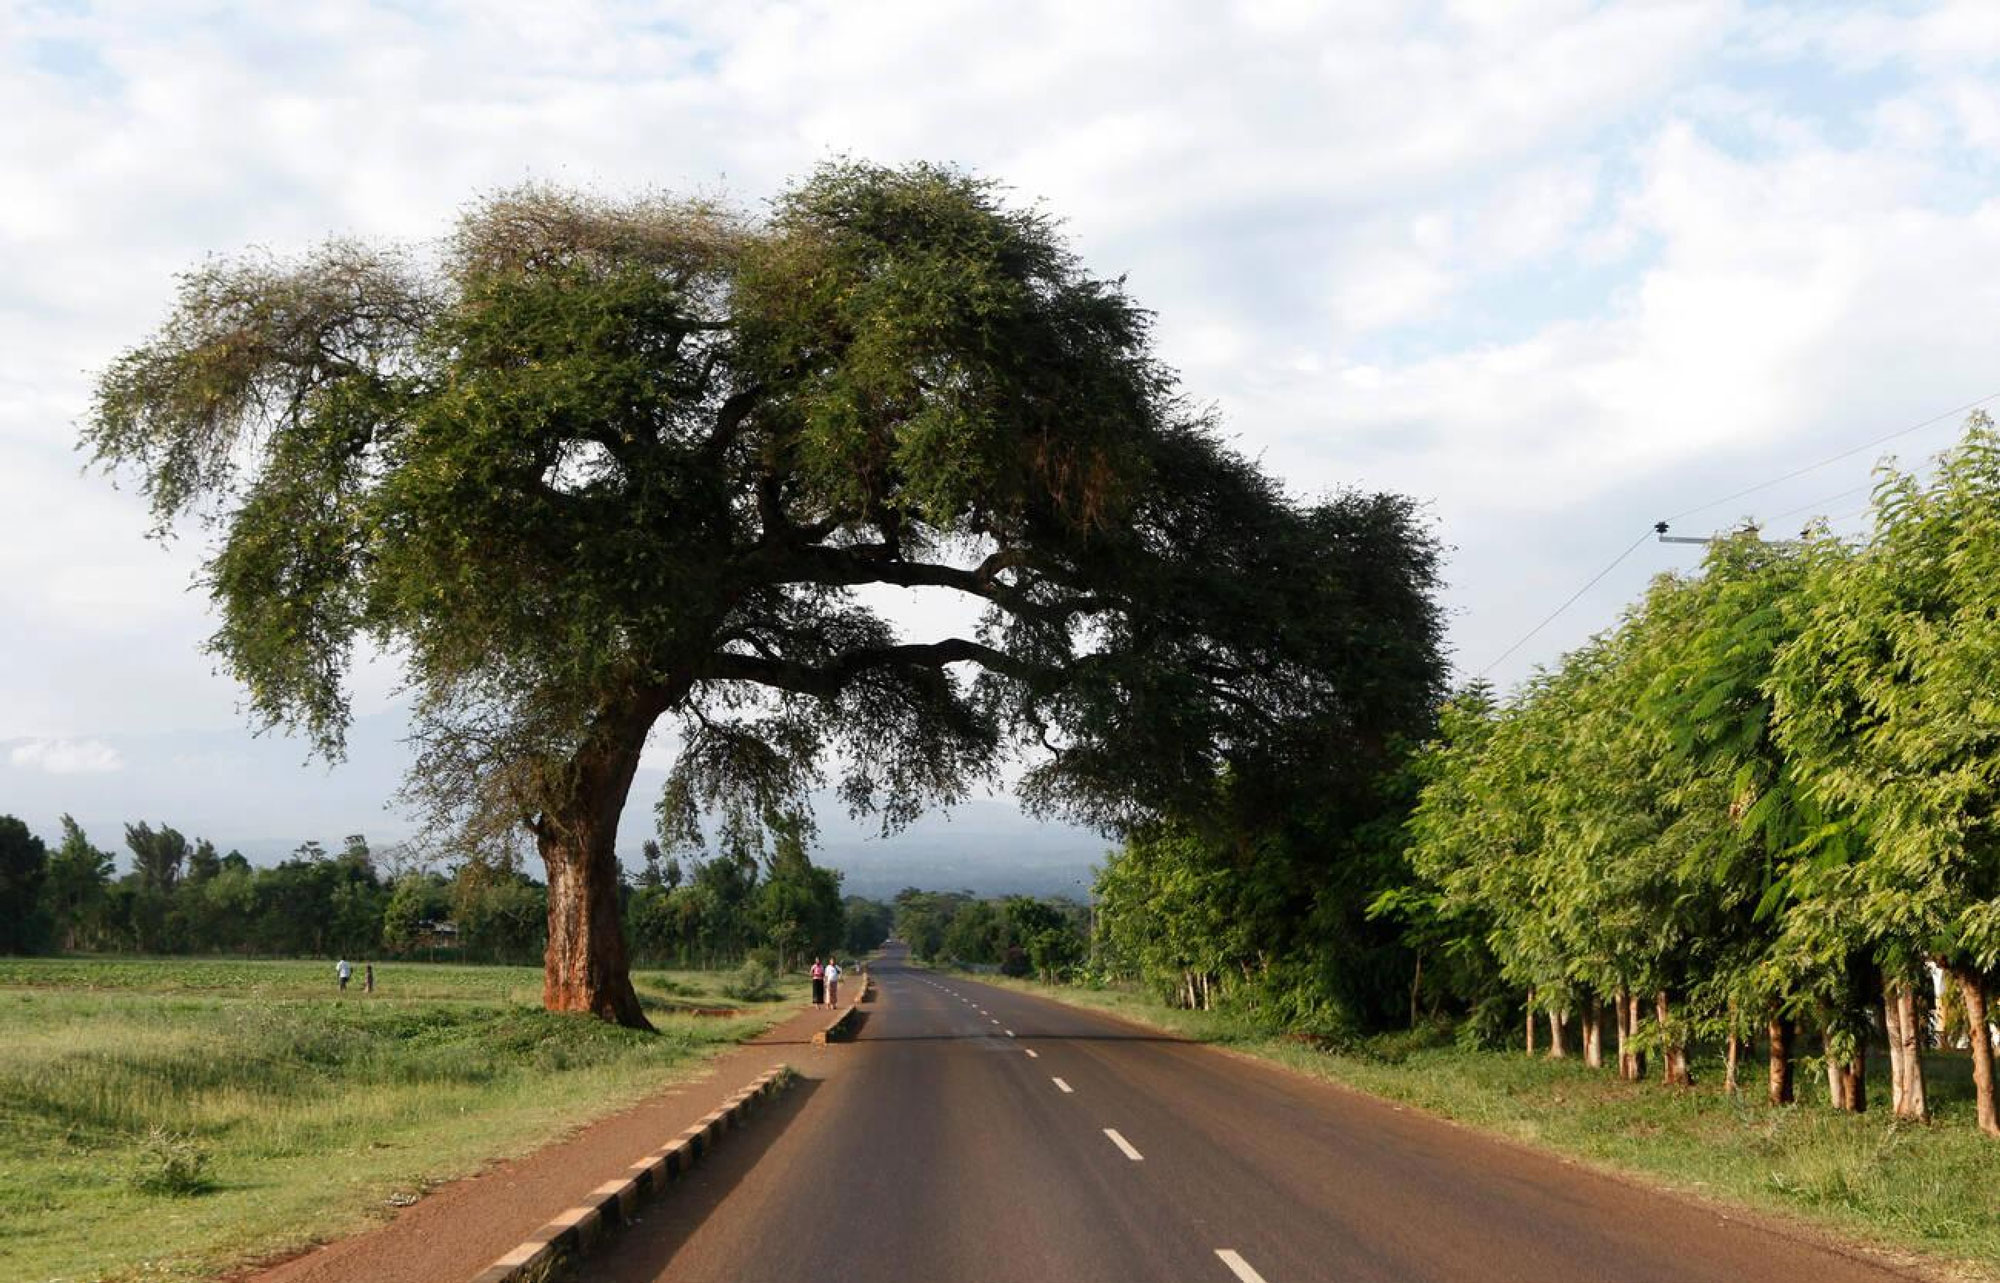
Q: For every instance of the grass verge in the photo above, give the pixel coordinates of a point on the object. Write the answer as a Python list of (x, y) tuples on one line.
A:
[(171, 1119), (1931, 1191)]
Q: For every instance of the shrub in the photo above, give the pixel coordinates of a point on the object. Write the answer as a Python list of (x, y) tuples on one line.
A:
[(171, 1164), (753, 982)]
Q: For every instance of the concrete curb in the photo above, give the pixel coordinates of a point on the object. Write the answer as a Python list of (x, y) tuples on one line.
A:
[(577, 1230), (839, 1026)]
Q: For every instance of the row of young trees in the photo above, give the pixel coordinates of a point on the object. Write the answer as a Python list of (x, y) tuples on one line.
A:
[(1761, 808), (1764, 802), (182, 896)]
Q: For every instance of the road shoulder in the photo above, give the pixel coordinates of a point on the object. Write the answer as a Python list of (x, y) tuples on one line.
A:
[(460, 1228)]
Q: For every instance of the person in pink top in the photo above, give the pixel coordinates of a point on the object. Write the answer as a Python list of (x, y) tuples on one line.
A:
[(819, 983)]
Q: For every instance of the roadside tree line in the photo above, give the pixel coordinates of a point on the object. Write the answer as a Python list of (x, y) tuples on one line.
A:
[(1763, 804), (1757, 814)]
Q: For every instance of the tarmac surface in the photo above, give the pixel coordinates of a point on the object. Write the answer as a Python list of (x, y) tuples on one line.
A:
[(971, 1133)]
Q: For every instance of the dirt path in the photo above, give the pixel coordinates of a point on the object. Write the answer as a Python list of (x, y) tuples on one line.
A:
[(459, 1229)]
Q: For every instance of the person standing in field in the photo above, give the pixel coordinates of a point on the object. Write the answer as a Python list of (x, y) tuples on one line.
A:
[(368, 978), (832, 983), (343, 973), (819, 983)]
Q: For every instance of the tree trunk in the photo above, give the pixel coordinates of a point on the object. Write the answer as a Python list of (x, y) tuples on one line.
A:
[(1857, 1080), (1972, 987), (1631, 1061), (1531, 1022), (1840, 1082), (1892, 1036), (1730, 1057), (1901, 1022), (585, 967), (1673, 1054), (1593, 1032), (1416, 984), (1557, 1050), (1780, 1083)]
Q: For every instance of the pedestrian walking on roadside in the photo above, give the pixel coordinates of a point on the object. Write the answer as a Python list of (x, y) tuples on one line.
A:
[(368, 978), (832, 983), (343, 973), (819, 983)]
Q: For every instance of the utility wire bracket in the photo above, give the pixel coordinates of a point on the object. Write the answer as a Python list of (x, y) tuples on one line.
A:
[(1660, 528)]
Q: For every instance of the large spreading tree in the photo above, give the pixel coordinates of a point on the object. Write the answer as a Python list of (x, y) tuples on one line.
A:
[(594, 464)]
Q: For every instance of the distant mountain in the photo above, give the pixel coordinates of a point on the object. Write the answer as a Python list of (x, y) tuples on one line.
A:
[(259, 795)]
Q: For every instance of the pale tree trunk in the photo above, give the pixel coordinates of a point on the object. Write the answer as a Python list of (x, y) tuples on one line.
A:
[(1892, 1036), (1842, 1086), (1901, 1024), (1779, 1087), (1631, 1061), (1557, 1049), (1593, 1032), (1673, 1053), (1531, 1022), (1731, 1055), (585, 967), (1972, 987)]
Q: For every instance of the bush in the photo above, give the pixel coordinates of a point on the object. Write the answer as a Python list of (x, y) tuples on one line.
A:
[(753, 982), (171, 1164), (1015, 962)]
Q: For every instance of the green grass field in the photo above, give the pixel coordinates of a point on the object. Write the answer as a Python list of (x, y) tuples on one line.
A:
[(169, 1119), (1930, 1191)]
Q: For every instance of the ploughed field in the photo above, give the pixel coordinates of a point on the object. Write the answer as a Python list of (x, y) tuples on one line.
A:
[(168, 1118)]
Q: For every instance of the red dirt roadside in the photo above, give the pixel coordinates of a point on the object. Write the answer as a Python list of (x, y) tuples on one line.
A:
[(459, 1229)]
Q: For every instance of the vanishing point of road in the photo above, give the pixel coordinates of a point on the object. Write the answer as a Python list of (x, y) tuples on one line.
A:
[(977, 1135)]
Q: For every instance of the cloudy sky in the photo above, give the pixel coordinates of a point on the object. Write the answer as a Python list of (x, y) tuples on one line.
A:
[(1558, 269)]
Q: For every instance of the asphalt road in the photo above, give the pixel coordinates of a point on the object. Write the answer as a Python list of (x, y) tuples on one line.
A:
[(972, 1133)]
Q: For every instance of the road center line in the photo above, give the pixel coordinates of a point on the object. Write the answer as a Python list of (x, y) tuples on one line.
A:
[(1032, 1053), (1063, 1087), (1124, 1145), (1008, 1032), (1238, 1266)]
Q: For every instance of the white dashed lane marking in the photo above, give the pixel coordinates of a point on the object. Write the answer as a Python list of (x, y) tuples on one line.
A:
[(1032, 1053), (1063, 1087), (1238, 1266), (1124, 1145)]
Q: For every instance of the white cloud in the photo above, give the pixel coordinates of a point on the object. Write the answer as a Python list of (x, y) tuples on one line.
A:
[(66, 757), (1556, 267)]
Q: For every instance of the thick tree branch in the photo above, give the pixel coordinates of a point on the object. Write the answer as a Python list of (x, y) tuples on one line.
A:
[(875, 564), (827, 680)]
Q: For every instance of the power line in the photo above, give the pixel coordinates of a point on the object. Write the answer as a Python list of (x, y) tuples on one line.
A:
[(1967, 408), (1863, 488), (1567, 604), (1844, 454)]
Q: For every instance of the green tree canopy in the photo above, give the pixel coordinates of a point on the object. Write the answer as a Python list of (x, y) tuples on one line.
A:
[(602, 462), (24, 866)]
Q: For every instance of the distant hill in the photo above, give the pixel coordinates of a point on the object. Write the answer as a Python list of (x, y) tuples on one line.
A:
[(260, 796)]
